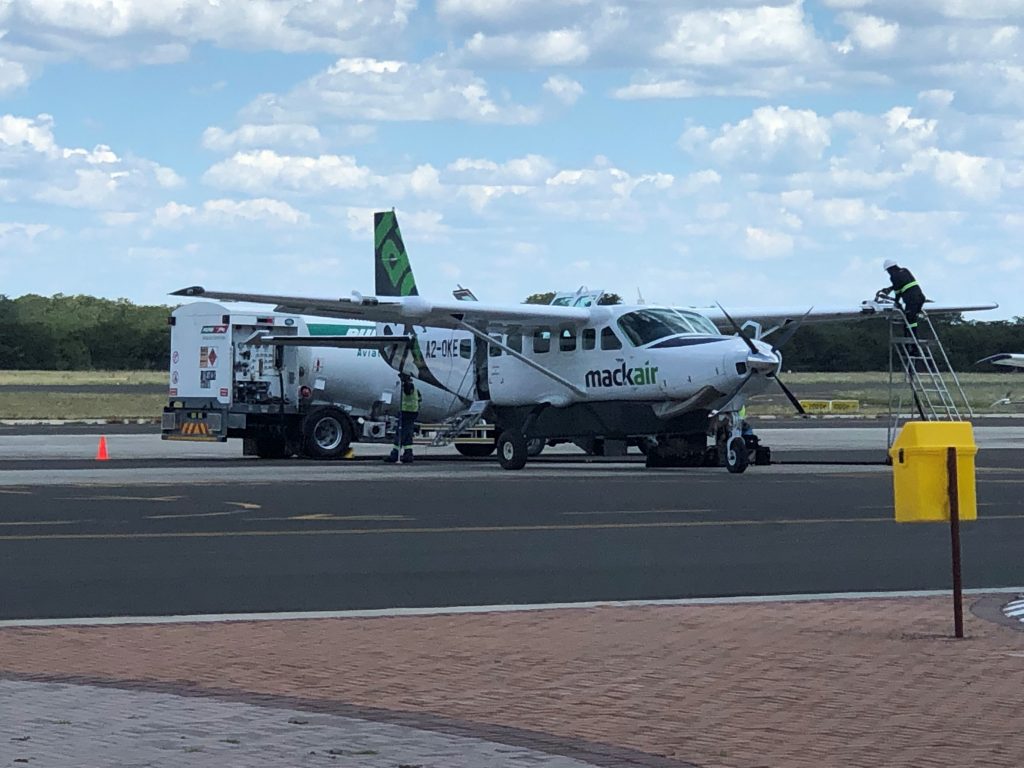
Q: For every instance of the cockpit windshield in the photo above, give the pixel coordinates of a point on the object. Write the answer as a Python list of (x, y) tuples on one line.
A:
[(700, 323), (645, 326)]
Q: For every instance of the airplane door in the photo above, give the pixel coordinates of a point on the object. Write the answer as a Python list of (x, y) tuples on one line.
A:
[(480, 372)]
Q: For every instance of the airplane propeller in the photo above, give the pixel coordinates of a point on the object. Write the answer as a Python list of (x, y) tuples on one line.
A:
[(1004, 400), (790, 330)]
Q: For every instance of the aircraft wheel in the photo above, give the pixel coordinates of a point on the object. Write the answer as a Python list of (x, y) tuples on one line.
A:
[(534, 446), (736, 456), (475, 450), (512, 450), (326, 433)]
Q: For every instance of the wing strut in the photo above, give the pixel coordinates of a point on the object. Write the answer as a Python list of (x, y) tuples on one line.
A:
[(520, 356)]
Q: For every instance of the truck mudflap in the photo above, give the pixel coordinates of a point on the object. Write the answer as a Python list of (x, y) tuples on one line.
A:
[(195, 425)]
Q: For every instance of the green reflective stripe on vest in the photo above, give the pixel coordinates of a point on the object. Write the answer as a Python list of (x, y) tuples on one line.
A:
[(908, 286), (411, 401)]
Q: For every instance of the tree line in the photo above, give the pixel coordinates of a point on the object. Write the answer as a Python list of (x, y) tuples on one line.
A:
[(87, 333)]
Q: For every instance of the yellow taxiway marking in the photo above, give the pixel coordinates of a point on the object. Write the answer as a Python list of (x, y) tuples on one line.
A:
[(41, 522), (16, 491), (244, 504)]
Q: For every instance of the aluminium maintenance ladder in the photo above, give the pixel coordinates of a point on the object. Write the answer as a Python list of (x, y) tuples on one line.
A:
[(924, 367), (465, 422)]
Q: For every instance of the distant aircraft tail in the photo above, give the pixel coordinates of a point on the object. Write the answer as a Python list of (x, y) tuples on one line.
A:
[(393, 273)]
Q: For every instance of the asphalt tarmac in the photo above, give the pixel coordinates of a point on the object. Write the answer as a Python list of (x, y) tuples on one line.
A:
[(147, 534)]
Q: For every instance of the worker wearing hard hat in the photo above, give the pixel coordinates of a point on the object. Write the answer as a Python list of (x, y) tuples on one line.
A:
[(906, 292)]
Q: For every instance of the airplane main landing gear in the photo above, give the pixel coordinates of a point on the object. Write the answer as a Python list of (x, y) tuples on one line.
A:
[(512, 449)]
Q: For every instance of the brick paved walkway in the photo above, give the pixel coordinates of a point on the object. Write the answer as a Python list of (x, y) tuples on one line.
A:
[(845, 683)]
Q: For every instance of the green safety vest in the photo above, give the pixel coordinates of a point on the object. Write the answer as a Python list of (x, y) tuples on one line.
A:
[(907, 287), (411, 401)]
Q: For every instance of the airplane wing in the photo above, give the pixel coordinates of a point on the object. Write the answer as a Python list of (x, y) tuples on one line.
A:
[(337, 342), (770, 317), (412, 310), (1010, 360)]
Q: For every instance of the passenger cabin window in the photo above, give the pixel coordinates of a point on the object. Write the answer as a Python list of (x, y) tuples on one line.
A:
[(515, 341), (589, 338), (493, 349), (645, 326), (609, 340), (567, 339), (466, 348), (541, 340)]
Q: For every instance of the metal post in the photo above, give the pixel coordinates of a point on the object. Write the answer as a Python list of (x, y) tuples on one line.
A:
[(954, 531)]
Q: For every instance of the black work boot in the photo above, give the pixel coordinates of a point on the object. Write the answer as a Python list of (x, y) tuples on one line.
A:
[(392, 458), (407, 457)]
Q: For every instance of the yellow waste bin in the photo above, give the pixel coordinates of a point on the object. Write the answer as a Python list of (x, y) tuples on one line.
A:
[(919, 471)]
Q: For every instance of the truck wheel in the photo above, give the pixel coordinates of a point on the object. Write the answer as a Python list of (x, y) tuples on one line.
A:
[(326, 433), (512, 449), (475, 450), (271, 446), (534, 446), (736, 456)]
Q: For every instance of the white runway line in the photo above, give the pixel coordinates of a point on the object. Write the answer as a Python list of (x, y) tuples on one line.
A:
[(474, 609)]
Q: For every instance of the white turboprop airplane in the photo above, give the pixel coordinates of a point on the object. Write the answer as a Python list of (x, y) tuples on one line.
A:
[(1008, 359), (578, 369)]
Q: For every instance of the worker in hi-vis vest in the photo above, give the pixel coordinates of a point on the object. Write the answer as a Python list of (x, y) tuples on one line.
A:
[(907, 292), (411, 399)]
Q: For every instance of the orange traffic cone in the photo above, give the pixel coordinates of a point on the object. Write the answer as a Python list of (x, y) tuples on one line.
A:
[(101, 450)]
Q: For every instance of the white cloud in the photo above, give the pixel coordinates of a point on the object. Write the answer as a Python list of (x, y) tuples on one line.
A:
[(793, 135), (977, 177), (372, 89), (767, 244), (12, 75), (225, 211), (286, 25), (620, 183), (725, 36), (868, 33), (291, 135), (565, 89), (75, 177), (265, 170), (950, 9), (35, 134), (531, 170), (506, 12), (10, 230), (557, 47)]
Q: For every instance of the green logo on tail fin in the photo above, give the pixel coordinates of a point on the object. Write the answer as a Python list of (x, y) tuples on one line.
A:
[(393, 272)]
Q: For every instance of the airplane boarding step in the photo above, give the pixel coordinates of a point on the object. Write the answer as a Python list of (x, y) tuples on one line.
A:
[(918, 360), (464, 422)]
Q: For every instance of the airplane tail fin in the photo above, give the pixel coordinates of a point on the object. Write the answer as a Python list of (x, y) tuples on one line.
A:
[(393, 272)]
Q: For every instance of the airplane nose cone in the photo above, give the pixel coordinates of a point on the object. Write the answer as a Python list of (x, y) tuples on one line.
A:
[(764, 361)]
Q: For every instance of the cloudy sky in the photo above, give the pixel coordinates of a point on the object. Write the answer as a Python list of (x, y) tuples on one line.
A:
[(751, 153)]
